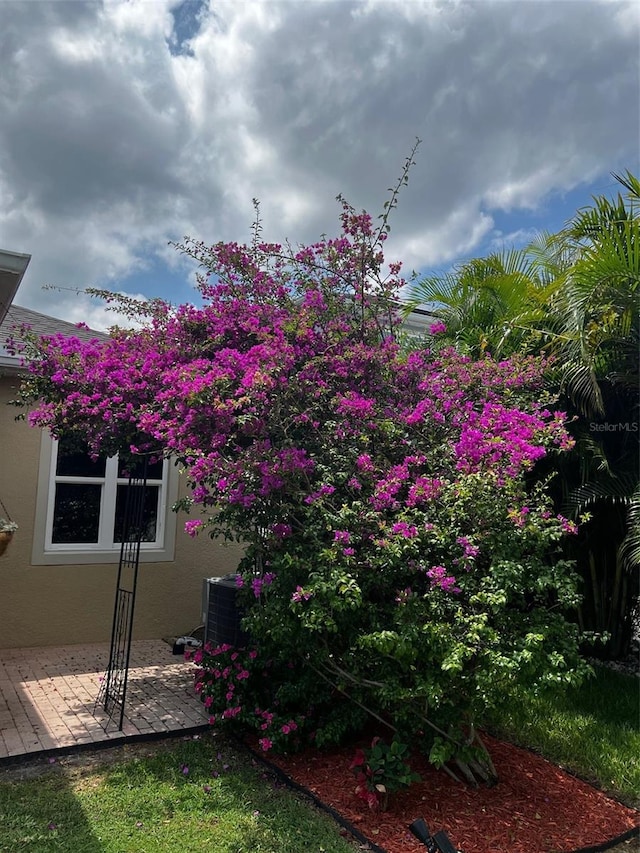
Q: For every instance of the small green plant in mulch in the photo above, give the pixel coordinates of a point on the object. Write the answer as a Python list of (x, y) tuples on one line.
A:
[(382, 770), (194, 795)]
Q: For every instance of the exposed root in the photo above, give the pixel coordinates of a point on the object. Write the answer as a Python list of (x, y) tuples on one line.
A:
[(467, 772), (487, 759)]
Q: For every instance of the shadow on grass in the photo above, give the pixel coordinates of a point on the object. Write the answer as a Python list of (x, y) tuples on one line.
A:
[(611, 697), (44, 816), (608, 699)]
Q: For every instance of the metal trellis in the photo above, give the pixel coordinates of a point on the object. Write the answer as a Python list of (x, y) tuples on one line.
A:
[(113, 690)]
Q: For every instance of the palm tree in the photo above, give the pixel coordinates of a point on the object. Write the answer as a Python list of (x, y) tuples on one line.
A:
[(596, 306), (495, 304), (573, 296)]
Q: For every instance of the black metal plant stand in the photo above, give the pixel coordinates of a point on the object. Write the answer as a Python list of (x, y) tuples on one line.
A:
[(113, 690)]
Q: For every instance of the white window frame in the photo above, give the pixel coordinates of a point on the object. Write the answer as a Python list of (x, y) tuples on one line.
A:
[(45, 552)]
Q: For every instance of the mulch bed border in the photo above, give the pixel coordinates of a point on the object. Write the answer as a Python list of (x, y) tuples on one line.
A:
[(593, 783), (375, 848), (300, 789)]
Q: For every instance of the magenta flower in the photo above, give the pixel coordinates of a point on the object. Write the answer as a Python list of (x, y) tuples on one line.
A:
[(258, 584), (193, 527), (401, 528), (364, 463), (439, 577), (470, 551), (568, 527), (301, 595)]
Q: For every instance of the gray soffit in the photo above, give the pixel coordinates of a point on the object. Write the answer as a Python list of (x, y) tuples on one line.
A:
[(12, 267)]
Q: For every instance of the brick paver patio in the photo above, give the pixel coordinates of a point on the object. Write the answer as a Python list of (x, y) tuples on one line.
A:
[(47, 697)]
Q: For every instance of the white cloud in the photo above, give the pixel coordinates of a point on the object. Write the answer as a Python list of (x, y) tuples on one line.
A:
[(111, 144), (521, 237), (523, 193), (83, 308), (455, 237)]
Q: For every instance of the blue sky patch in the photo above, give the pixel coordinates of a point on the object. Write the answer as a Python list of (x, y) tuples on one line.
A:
[(187, 19)]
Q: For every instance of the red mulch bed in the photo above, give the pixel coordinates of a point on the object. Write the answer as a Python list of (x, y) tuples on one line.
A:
[(535, 808)]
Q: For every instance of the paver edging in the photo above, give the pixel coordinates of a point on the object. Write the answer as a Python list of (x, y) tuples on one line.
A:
[(107, 743)]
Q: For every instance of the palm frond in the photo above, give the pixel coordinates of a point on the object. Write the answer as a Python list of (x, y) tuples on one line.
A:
[(591, 454), (630, 183), (629, 552), (580, 383), (618, 490)]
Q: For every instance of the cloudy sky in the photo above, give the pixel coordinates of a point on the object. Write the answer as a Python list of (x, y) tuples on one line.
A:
[(129, 124)]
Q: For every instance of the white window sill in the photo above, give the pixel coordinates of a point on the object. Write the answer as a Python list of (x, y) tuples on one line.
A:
[(77, 558)]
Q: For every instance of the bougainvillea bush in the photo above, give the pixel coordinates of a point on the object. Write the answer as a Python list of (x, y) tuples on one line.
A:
[(402, 559)]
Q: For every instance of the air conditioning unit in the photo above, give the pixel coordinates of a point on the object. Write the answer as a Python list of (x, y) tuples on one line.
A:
[(220, 614)]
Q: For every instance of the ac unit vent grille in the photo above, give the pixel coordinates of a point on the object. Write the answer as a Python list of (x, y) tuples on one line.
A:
[(221, 615)]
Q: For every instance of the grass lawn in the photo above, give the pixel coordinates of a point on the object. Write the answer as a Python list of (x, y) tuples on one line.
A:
[(592, 730), (191, 795)]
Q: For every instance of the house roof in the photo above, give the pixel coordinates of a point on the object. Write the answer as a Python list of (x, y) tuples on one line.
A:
[(41, 324), (418, 321), (12, 317)]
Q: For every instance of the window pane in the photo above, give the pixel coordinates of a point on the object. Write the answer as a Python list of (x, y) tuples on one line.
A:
[(149, 512), (135, 468), (76, 462), (76, 513)]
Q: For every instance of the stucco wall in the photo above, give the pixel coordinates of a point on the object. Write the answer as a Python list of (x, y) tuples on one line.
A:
[(59, 605)]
